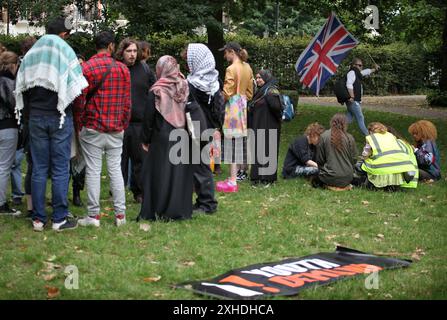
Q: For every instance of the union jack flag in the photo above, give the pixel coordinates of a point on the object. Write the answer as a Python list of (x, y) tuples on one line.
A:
[(320, 60)]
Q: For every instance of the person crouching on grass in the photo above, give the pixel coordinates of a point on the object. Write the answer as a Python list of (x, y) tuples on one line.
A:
[(426, 151), (300, 158)]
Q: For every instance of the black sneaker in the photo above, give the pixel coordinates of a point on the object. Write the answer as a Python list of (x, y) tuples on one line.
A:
[(200, 210), (17, 201), (241, 175), (65, 225), (29, 214), (5, 210)]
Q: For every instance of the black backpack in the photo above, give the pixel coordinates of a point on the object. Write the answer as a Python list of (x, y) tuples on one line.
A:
[(340, 90), (218, 108)]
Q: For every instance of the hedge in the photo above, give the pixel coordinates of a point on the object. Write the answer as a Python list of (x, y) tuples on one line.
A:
[(404, 68)]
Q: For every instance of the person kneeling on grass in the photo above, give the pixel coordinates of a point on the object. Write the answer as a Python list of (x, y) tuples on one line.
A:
[(386, 161), (300, 158), (427, 153), (336, 155)]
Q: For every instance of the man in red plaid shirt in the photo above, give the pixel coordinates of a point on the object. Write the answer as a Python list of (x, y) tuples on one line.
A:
[(102, 113)]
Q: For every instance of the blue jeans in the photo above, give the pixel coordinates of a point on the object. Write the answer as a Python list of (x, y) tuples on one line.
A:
[(355, 111), (16, 175), (50, 150)]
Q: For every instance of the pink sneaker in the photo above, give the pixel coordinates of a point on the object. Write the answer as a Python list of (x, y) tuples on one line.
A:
[(226, 186)]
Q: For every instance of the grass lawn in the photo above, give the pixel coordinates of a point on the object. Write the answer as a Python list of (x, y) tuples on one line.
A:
[(290, 219)]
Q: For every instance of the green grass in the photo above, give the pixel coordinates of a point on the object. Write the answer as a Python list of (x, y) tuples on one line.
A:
[(290, 219)]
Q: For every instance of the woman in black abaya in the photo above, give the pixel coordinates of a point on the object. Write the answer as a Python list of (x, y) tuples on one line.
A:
[(265, 112), (167, 187)]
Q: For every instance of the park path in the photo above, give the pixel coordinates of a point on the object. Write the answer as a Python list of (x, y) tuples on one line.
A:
[(414, 105)]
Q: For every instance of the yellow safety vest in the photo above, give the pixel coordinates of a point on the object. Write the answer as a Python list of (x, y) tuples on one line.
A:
[(388, 156), (413, 183)]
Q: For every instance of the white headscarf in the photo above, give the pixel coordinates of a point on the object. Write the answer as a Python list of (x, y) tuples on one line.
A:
[(201, 64)]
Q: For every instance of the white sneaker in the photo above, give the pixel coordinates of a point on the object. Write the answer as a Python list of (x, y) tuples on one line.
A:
[(120, 220), (89, 221), (38, 225)]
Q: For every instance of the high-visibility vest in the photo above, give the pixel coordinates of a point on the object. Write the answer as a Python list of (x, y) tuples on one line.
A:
[(388, 156), (413, 183)]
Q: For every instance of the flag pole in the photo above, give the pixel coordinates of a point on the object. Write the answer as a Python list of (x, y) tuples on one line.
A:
[(371, 57)]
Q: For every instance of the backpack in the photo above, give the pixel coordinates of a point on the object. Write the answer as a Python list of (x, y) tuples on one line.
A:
[(217, 107), (340, 90), (288, 112)]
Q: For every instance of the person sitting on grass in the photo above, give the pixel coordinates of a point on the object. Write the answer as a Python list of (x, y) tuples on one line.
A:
[(300, 158), (427, 153), (336, 156), (386, 162)]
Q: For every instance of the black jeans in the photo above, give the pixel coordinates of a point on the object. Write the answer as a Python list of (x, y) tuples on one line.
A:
[(204, 187), (132, 150)]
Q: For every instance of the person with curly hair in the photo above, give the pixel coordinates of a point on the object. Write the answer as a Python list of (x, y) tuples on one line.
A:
[(427, 153), (336, 155), (300, 158)]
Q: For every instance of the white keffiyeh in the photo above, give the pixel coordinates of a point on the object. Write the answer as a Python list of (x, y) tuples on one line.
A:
[(202, 66)]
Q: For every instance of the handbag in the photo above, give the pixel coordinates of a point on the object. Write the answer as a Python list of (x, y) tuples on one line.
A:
[(235, 121)]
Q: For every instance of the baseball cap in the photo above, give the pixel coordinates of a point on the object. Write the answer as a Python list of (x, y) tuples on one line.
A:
[(231, 45)]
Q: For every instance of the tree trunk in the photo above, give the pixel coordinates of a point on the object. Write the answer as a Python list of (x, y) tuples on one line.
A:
[(216, 40), (443, 79)]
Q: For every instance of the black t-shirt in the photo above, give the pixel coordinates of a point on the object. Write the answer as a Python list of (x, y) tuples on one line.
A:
[(299, 152), (39, 101), (142, 79)]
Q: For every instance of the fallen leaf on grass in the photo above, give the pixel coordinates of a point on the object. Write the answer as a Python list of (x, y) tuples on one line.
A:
[(50, 266), (372, 212), (365, 203), (145, 227), (103, 214), (389, 296), (108, 209), (159, 295), (356, 236), (188, 263), (51, 258), (348, 210), (49, 277), (416, 220), (330, 237), (52, 292), (380, 236), (418, 254), (152, 279)]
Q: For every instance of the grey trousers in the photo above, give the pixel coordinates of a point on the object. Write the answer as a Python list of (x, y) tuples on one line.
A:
[(8, 146), (93, 144)]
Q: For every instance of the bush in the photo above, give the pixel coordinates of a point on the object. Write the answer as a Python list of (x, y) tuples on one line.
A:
[(437, 98)]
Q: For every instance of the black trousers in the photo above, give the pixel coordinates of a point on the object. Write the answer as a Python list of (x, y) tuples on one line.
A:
[(204, 187), (132, 150)]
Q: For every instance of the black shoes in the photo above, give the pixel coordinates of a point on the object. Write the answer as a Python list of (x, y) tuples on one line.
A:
[(196, 209), (5, 210)]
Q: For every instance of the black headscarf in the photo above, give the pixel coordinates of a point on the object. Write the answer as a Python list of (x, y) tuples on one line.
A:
[(270, 82)]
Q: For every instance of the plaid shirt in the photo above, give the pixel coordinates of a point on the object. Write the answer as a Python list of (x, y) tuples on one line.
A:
[(109, 109)]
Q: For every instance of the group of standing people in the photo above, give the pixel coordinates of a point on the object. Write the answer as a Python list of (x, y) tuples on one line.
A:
[(114, 104)]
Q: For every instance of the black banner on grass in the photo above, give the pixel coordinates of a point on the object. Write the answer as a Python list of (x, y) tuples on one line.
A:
[(288, 277)]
